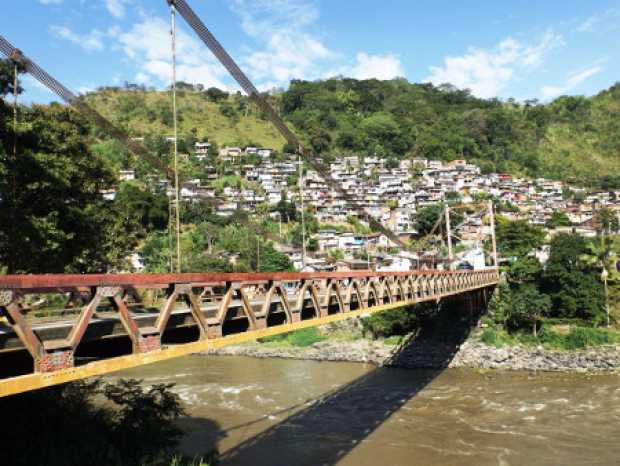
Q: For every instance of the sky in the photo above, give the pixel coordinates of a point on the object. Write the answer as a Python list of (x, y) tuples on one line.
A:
[(525, 49)]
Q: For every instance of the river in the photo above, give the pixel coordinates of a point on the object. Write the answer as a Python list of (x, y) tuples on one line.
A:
[(288, 412)]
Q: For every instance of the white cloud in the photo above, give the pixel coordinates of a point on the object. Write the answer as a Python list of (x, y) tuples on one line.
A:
[(85, 89), (596, 21), (588, 24), (286, 48), (488, 72), (382, 67), (142, 78), (289, 48), (90, 42), (574, 79), (147, 46), (50, 2), (116, 7)]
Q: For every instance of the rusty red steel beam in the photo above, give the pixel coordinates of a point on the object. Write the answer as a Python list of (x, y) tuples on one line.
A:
[(46, 282), (326, 294)]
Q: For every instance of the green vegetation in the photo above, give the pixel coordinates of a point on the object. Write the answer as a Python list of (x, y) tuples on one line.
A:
[(399, 321), (572, 138), (558, 219), (518, 238), (576, 338), (394, 340), (300, 338), (207, 247), (576, 286), (52, 215), (120, 423), (228, 120)]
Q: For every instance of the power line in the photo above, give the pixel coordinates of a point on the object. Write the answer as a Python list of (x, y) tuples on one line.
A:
[(173, 33)]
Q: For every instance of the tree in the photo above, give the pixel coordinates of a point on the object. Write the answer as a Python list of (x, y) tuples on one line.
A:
[(606, 221), (573, 285), (272, 260), (286, 209), (206, 263), (7, 77), (121, 422), (525, 270), (155, 252), (335, 255), (558, 219), (149, 209), (254, 252), (517, 238), (52, 215), (215, 95), (527, 305)]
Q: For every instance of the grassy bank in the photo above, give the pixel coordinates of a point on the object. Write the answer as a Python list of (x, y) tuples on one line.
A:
[(301, 338), (575, 338)]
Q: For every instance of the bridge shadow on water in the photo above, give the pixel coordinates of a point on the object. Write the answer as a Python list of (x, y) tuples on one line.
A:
[(326, 429)]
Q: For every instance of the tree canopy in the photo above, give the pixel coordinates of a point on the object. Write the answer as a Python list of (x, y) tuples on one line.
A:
[(518, 238)]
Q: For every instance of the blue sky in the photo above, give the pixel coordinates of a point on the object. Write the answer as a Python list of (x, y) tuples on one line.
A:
[(510, 48)]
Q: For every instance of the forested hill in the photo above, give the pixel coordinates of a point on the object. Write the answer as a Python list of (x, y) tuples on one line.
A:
[(576, 139)]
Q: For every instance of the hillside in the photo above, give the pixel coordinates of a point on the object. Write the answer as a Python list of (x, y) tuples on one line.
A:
[(228, 120), (575, 139)]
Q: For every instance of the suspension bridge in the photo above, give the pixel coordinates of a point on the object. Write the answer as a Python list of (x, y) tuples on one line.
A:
[(61, 328)]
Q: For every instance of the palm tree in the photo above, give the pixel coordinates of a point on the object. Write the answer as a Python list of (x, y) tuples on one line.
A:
[(602, 256)]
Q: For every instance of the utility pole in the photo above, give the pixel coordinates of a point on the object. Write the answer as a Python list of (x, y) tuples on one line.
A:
[(257, 253), (170, 248), (280, 223), (175, 144), (493, 239), (14, 111), (604, 276), (449, 235), (303, 221)]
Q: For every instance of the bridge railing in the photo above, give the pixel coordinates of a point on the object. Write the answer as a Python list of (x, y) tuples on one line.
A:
[(54, 316)]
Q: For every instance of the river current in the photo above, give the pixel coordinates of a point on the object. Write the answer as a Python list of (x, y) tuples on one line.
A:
[(287, 412)]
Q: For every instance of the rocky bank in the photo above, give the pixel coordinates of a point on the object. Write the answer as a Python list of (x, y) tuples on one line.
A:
[(433, 354)]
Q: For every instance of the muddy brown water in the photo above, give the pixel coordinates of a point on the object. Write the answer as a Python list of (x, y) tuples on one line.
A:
[(287, 412)]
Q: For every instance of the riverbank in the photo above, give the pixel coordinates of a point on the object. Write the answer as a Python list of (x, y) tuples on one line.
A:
[(431, 354)]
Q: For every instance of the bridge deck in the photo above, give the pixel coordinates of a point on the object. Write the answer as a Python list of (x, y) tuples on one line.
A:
[(75, 326)]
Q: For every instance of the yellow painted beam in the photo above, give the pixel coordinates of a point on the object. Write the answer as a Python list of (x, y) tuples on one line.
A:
[(24, 383)]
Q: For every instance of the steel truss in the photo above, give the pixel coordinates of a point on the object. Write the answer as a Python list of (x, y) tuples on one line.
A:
[(225, 308)]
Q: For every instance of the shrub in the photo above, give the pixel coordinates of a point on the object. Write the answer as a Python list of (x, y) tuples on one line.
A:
[(120, 423), (489, 337), (497, 338), (582, 337), (394, 322)]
